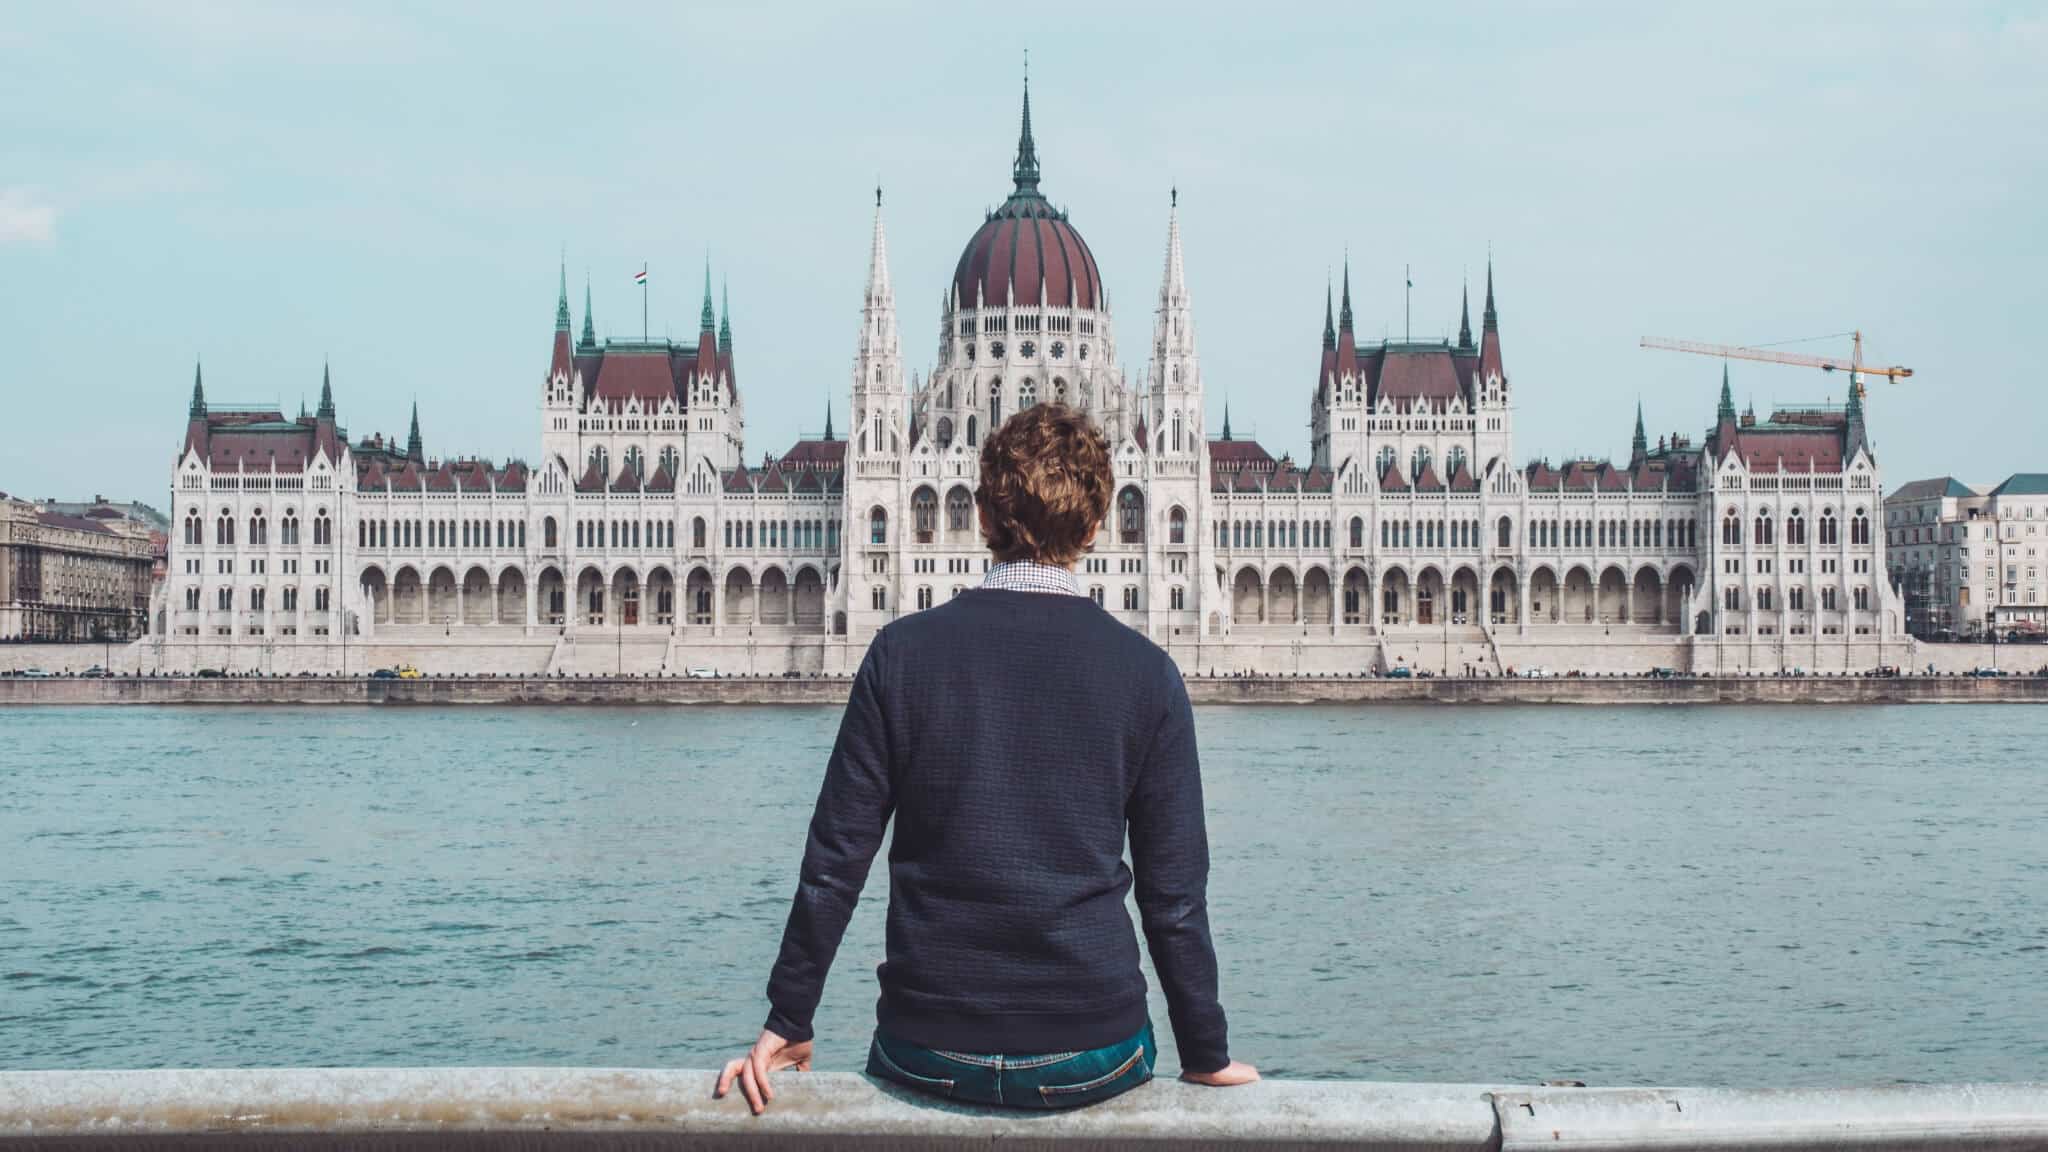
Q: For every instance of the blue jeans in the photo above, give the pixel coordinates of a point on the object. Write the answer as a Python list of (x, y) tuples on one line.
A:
[(1047, 1080)]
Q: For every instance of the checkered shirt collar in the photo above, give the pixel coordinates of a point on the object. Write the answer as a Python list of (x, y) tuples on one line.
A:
[(1028, 576)]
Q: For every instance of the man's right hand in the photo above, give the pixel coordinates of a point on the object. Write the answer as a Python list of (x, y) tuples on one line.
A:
[(1229, 1076)]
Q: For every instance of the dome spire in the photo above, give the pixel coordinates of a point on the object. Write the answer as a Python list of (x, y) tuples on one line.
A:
[(198, 394), (1639, 448), (326, 411), (1726, 410), (724, 317), (1464, 316), (1025, 170), (414, 449), (1329, 324)]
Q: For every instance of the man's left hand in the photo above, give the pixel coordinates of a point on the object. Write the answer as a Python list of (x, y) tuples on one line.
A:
[(771, 1053)]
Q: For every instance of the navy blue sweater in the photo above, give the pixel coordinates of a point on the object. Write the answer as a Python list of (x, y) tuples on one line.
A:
[(1014, 736)]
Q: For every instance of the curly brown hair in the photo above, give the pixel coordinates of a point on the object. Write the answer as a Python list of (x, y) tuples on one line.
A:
[(1045, 485)]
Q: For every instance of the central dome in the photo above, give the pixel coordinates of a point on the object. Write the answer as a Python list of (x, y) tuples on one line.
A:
[(1026, 254)]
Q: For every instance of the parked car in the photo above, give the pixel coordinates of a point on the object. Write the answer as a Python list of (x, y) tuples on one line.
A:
[(1399, 672), (702, 673), (384, 674), (1662, 673), (209, 673), (96, 673), (1981, 671), (1538, 673), (408, 672), (36, 673)]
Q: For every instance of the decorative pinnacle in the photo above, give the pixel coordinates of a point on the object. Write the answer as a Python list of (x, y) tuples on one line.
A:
[(1025, 170), (326, 395), (589, 323), (1726, 411), (562, 300), (1344, 314), (1489, 319), (828, 419), (1329, 323), (724, 317), (1640, 446), (198, 393), (413, 448), (709, 318), (1465, 316)]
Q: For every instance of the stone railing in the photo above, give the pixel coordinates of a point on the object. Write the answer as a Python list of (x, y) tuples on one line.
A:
[(399, 1108)]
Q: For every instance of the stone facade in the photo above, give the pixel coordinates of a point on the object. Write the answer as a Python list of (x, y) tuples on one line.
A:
[(642, 539), (67, 577)]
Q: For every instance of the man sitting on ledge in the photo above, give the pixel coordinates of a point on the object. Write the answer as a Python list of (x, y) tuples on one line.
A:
[(1015, 732)]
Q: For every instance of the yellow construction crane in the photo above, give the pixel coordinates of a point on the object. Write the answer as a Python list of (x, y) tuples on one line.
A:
[(1854, 365)]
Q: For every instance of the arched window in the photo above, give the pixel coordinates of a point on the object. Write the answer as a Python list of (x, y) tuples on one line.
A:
[(547, 532), (878, 525), (1763, 533), (635, 464), (697, 533), (258, 534), (323, 528), (945, 432), (195, 531), (970, 431), (1506, 538), (1130, 516), (1059, 391), (959, 510), (1859, 528), (1358, 531), (1830, 531), (602, 461), (995, 403), (1177, 526), (288, 529), (1795, 527), (1419, 463), (1027, 394), (1454, 460), (1731, 529), (224, 531), (1387, 458), (924, 514)]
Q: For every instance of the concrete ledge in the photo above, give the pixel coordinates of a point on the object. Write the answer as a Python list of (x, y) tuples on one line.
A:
[(609, 690), (402, 1108)]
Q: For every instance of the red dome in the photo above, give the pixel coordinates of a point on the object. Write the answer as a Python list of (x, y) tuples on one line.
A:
[(1026, 255), (1022, 246)]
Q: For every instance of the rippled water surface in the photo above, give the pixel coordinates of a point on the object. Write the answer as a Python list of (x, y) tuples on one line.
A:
[(1711, 895)]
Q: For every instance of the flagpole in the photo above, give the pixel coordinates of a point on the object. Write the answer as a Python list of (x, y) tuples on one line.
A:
[(1407, 302), (643, 301)]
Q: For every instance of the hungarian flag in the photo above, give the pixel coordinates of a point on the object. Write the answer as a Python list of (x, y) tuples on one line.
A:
[(640, 277)]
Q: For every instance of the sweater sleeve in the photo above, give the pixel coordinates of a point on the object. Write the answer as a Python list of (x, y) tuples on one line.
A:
[(846, 830), (1170, 857)]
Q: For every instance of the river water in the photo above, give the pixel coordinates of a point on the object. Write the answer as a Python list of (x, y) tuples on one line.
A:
[(1624, 896)]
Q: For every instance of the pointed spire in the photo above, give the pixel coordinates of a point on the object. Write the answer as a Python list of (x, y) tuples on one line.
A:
[(1329, 324), (708, 320), (1726, 412), (562, 300), (414, 451), (326, 411), (1344, 314), (1639, 449), (724, 317), (879, 290), (1490, 321), (198, 394), (1226, 419), (1465, 316), (1173, 285), (828, 419), (1025, 170), (589, 317)]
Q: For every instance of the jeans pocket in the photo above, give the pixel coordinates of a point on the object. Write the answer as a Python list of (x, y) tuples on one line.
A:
[(890, 1070), (1134, 1070)]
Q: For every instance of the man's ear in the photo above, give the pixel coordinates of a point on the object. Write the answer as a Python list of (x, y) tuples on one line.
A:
[(1094, 530), (981, 518)]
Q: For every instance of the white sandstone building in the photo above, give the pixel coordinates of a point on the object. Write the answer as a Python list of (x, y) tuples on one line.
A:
[(641, 540)]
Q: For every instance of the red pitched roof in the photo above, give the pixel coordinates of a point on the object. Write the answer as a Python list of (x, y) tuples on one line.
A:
[(1406, 372), (1234, 455), (808, 455)]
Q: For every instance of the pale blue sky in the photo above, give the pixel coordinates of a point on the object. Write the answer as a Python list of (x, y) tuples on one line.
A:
[(389, 188)]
